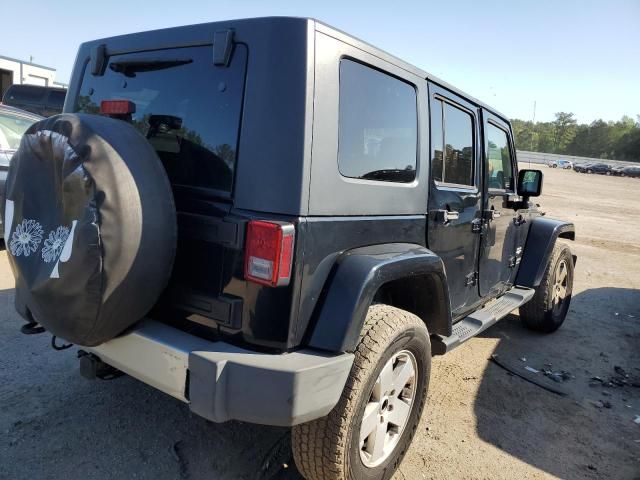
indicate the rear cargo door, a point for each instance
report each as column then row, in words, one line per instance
column 189, row 109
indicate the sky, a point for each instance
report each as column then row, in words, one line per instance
column 564, row 55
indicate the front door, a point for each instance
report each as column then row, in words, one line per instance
column 498, row 256
column 455, row 193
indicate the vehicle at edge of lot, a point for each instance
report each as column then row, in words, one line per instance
column 564, row 164
column 631, row 171
column 253, row 283
column 13, row 123
column 45, row 101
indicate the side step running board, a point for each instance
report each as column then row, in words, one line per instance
column 482, row 319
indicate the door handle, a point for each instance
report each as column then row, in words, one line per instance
column 445, row 216
column 492, row 214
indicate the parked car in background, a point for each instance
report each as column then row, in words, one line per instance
column 13, row 123
column 617, row 170
column 45, row 101
column 601, row 168
column 632, row 171
column 564, row 164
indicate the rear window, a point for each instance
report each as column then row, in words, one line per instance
column 24, row 93
column 378, row 125
column 56, row 98
column 188, row 108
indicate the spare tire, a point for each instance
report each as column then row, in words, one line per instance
column 90, row 226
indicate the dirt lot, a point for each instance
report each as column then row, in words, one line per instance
column 480, row 422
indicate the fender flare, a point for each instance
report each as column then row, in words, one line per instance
column 357, row 277
column 542, row 237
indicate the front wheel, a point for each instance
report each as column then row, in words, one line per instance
column 368, row 432
column 548, row 308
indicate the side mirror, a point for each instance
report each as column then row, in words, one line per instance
column 529, row 183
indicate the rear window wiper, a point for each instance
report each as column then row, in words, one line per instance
column 129, row 67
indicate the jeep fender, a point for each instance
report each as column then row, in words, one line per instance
column 357, row 277
column 537, row 250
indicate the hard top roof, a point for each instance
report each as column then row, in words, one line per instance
column 320, row 27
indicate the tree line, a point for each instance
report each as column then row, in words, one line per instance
column 607, row 140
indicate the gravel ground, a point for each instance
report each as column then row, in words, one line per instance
column 480, row 421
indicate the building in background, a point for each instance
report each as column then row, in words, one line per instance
column 14, row 71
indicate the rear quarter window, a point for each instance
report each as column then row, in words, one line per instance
column 378, row 125
column 187, row 108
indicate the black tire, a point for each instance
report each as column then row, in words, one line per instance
column 103, row 226
column 329, row 448
column 541, row 313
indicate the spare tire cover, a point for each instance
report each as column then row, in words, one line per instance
column 90, row 226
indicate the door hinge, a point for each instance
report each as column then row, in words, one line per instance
column 512, row 262
column 476, row 225
column 471, row 279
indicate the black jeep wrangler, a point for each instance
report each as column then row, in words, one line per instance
column 275, row 222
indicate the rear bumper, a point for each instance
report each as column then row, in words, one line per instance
column 222, row 382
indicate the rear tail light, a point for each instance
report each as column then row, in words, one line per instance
column 117, row 107
column 269, row 252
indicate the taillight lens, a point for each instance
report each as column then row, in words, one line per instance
column 269, row 252
column 117, row 107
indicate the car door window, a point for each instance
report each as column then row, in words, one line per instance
column 500, row 168
column 452, row 145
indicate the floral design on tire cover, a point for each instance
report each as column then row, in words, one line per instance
column 26, row 238
column 54, row 243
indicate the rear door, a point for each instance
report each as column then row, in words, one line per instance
column 455, row 193
column 498, row 255
column 189, row 109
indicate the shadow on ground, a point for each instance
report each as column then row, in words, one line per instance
column 546, row 430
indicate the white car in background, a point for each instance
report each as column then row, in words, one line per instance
column 13, row 123
column 564, row 164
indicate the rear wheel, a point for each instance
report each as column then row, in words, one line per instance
column 548, row 308
column 368, row 432
column 589, row 171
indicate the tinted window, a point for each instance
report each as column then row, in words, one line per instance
column 377, row 126
column 458, row 146
column 188, row 108
column 23, row 93
column 500, row 171
column 56, row 98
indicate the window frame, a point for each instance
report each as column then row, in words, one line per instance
column 447, row 186
column 485, row 169
column 416, row 164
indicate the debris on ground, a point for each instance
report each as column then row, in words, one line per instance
column 523, row 359
column 531, row 369
column 561, row 376
column 637, row 420
column 621, row 379
column 527, row 376
column 597, row 403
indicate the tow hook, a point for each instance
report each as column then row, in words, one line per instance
column 91, row 367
